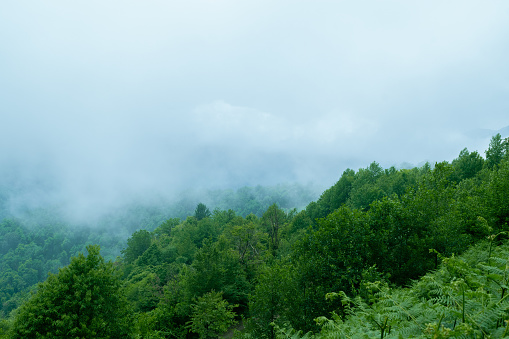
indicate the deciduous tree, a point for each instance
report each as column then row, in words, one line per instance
column 138, row 243
column 84, row 300
column 495, row 151
column 212, row 315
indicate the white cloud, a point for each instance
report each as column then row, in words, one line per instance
column 221, row 123
column 130, row 96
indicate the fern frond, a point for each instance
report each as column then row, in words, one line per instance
column 283, row 333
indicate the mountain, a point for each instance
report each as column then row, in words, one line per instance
column 481, row 133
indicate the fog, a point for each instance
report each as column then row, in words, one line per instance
column 107, row 102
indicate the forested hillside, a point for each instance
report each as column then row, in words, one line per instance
column 356, row 263
column 35, row 241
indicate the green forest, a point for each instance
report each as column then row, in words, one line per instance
column 383, row 253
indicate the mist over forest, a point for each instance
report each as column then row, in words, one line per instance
column 291, row 167
column 107, row 103
column 91, row 196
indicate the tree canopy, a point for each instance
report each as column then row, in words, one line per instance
column 344, row 259
column 83, row 300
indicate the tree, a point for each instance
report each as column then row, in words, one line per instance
column 216, row 266
column 366, row 187
column 201, row 212
column 495, row 151
column 84, row 300
column 137, row 244
column 246, row 240
column 505, row 145
column 498, row 196
column 435, row 220
column 333, row 197
column 467, row 165
column 275, row 300
column 223, row 217
column 390, row 242
column 212, row 315
column 330, row 259
column 167, row 226
column 273, row 220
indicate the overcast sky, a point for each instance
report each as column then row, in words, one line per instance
column 111, row 98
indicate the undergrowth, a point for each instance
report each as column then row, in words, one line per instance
column 467, row 297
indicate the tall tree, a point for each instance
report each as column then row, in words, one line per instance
column 273, row 220
column 216, row 267
column 366, row 187
column 467, row 165
column 330, row 259
column 138, row 243
column 498, row 196
column 201, row 212
column 333, row 197
column 84, row 300
column 495, row 151
column 212, row 315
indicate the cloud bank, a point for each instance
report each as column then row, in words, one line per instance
column 100, row 101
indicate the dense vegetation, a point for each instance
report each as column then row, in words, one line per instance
column 355, row 263
column 38, row 241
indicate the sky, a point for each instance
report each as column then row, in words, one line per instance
column 102, row 100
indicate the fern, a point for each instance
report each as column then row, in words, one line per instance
column 283, row 333
column 464, row 298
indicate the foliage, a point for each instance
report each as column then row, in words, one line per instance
column 273, row 221
column 84, row 300
column 212, row 315
column 467, row 165
column 28, row 253
column 166, row 227
column 53, row 242
column 496, row 151
column 201, row 212
column 217, row 267
column 359, row 189
column 498, row 196
column 465, row 298
column 329, row 259
column 137, row 244
column 273, row 300
column 342, row 260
